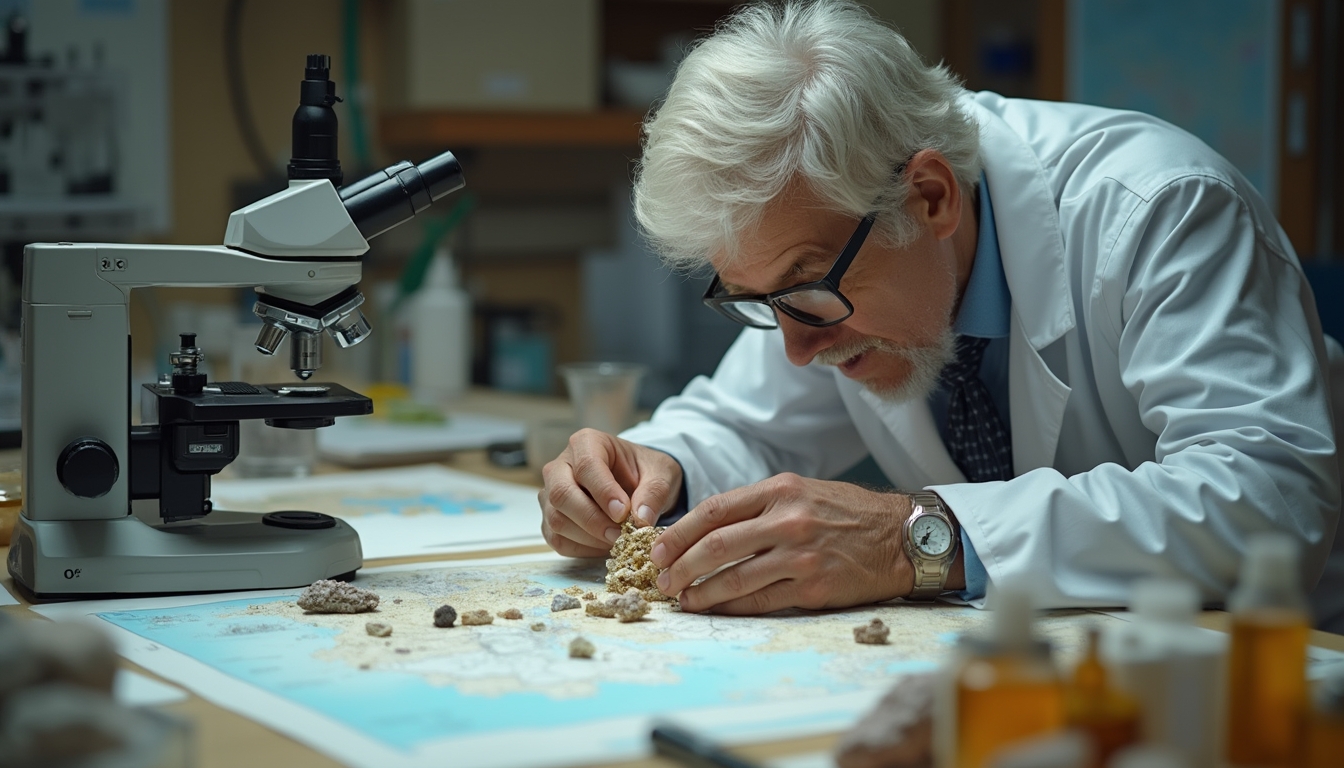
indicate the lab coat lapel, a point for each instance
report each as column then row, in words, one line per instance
column 1034, row 265
column 912, row 425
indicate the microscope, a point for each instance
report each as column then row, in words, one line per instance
column 84, row 462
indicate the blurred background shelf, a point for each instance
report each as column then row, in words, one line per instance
column 613, row 127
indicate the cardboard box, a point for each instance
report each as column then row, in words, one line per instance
column 521, row 55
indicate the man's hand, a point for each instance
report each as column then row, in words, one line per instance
column 595, row 484
column 802, row 543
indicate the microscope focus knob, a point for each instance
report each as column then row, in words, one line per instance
column 88, row 467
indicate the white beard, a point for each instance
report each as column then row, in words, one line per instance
column 925, row 364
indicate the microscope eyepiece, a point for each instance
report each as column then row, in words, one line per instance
column 313, row 137
column 397, row 193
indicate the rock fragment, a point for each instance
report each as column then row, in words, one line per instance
column 581, row 648
column 897, row 733
column 872, row 633
column 510, row 613
column 533, row 592
column 444, row 616
column 589, row 596
column 575, row 590
column 630, row 607
column 538, row 626
column 629, row 566
column 602, row 610
column 328, row 596
column 477, row 617
column 378, row 629
column 564, row 602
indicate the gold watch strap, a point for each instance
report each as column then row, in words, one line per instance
column 930, row 575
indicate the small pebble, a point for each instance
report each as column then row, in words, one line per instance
column 872, row 633
column 533, row 592
column 378, row 629
column 630, row 606
column 403, row 650
column 511, row 613
column 575, row 590
column 581, row 648
column 364, row 666
column 444, row 616
column 538, row 626
column 477, row 617
column 589, row 596
column 397, row 601
column 564, row 603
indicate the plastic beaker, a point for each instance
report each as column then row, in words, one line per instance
column 603, row 394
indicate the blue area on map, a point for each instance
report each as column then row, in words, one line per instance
column 448, row 505
column 402, row 710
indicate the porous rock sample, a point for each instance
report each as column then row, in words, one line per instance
column 481, row 616
column 872, row 633
column 378, row 629
column 328, row 596
column 563, row 602
column 628, row 607
column 581, row 648
column 510, row 613
column 897, row 732
column 629, row 566
column 444, row 616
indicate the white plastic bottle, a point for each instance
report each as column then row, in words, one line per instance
column 440, row 320
column 1173, row 668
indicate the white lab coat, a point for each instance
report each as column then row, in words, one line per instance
column 1167, row 373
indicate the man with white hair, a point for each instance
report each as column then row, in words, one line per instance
column 1075, row 338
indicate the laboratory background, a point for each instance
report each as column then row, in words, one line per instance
column 491, row 311
column 149, row 121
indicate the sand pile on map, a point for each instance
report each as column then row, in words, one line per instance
column 477, row 618
column 628, row 607
column 629, row 566
column 327, row 596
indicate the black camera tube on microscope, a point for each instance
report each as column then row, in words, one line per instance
column 382, row 200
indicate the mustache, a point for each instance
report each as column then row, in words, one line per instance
column 839, row 353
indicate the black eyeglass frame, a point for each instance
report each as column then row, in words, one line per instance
column 830, row 283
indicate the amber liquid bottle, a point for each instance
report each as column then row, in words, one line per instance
column 1006, row 688
column 1107, row 716
column 1266, row 673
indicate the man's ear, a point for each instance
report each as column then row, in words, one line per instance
column 936, row 202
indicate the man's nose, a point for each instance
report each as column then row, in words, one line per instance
column 802, row 342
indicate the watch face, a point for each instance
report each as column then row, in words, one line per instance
column 931, row 535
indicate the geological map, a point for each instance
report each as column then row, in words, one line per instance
column 508, row 692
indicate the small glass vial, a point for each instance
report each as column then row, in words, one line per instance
column 1267, row 683
column 1107, row 716
column 1006, row 688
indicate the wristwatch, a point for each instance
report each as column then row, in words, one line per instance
column 931, row 542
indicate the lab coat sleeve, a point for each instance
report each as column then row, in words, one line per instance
column 758, row 416
column 1206, row 316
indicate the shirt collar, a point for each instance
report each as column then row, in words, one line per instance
column 986, row 305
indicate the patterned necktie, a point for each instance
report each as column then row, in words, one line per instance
column 977, row 439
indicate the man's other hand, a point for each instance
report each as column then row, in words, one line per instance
column 595, row 484
column 787, row 542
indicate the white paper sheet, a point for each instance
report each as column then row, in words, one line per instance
column 366, row 441
column 5, row 597
column 403, row 512
column 136, row 690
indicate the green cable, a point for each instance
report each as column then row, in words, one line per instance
column 435, row 231
column 353, row 99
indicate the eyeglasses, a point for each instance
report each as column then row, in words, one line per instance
column 818, row 303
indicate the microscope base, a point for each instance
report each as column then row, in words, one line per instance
column 225, row 552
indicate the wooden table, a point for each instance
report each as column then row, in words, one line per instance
column 226, row 740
